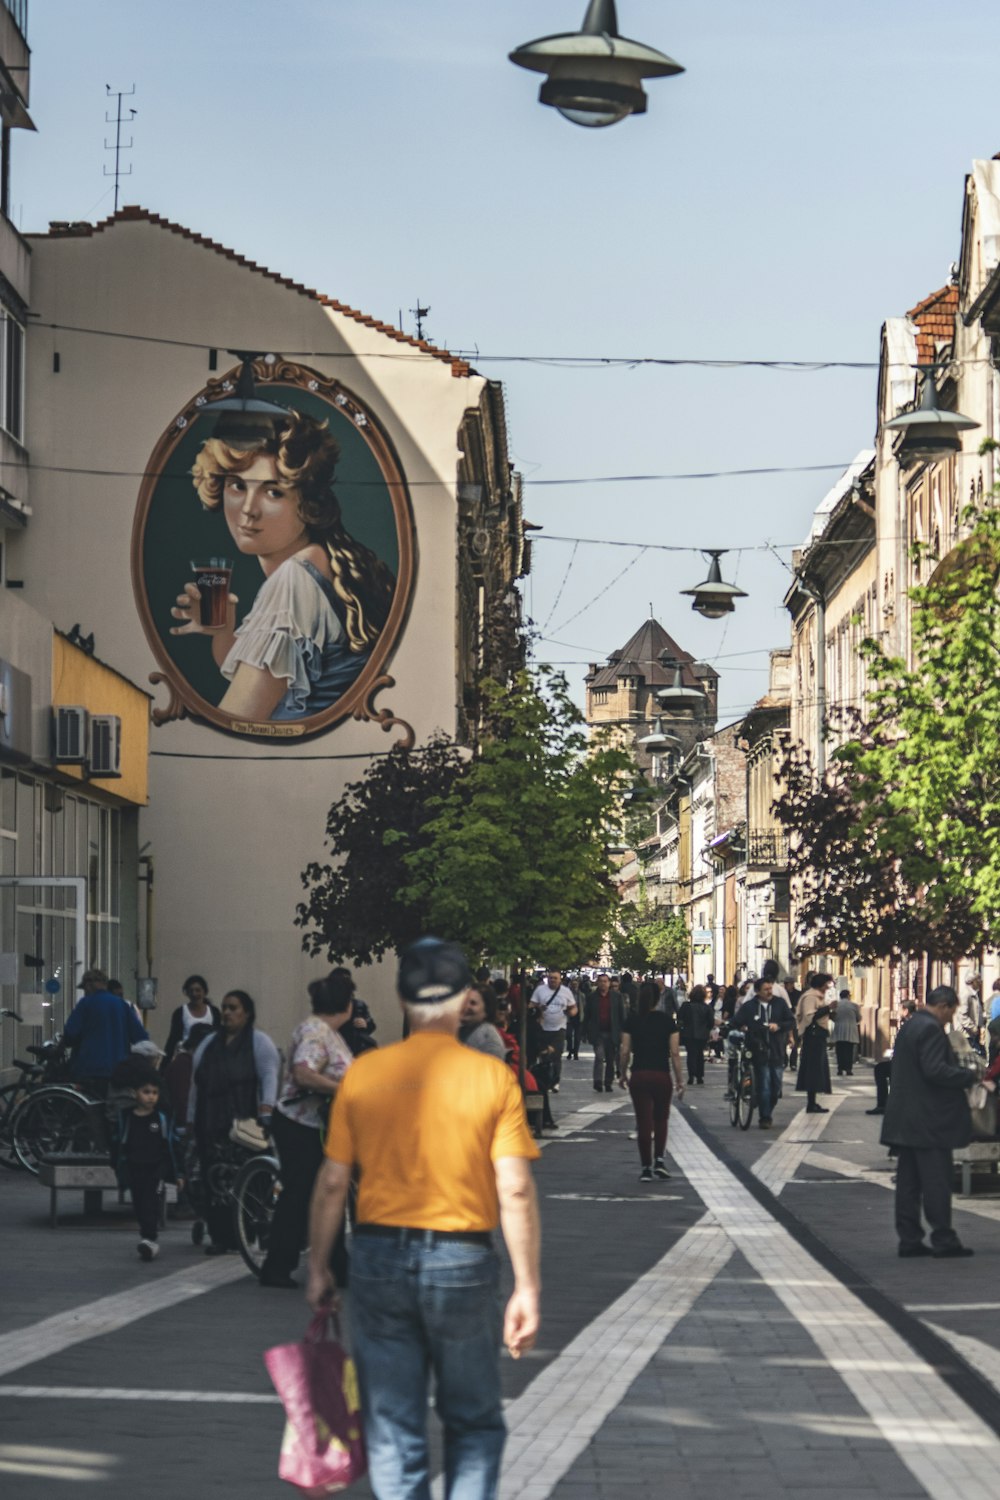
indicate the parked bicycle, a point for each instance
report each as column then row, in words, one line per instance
column 42, row 1115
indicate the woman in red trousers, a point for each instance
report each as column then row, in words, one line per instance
column 650, row 1039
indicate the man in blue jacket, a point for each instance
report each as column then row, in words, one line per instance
column 101, row 1030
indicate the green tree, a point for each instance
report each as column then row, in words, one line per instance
column 648, row 936
column 356, row 908
column 897, row 849
column 513, row 861
column 927, row 774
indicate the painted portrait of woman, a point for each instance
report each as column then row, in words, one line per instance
column 325, row 597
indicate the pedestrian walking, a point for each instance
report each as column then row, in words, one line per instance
column 439, row 1135
column 101, row 1029
column 553, row 1002
column 234, row 1077
column 767, row 1021
column 696, row 1018
column 970, row 1011
column 812, row 1020
column 926, row 1117
column 318, row 1058
column 574, row 1020
column 604, row 1021
column 479, row 1022
column 846, row 1034
column 146, row 1160
column 197, row 1010
column 651, row 1040
column 883, row 1069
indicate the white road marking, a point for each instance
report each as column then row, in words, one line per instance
column 611, row 1198
column 780, row 1162
column 552, row 1422
column 981, row 1356
column 26, row 1346
column 943, row 1443
column 952, row 1307
column 126, row 1393
column 857, row 1173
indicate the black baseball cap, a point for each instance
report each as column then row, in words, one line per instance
column 431, row 971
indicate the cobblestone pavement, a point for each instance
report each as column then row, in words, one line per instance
column 745, row 1326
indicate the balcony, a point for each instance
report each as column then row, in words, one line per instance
column 767, row 849
column 19, row 14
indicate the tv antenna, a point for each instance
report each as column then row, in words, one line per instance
column 420, row 313
column 118, row 145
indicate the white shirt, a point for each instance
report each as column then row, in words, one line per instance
column 554, row 1005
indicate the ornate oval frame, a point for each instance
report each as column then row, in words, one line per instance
column 357, row 701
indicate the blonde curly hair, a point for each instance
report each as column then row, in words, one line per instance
column 305, row 459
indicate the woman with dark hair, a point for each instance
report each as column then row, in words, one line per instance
column 234, row 1077
column 318, row 1058
column 812, row 1021
column 325, row 598
column 197, row 1010
column 479, row 1022
column 652, row 1041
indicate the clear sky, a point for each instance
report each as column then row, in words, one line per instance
column 801, row 182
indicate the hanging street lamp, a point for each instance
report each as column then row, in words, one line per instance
column 713, row 598
column 929, row 431
column 594, row 74
column 678, row 698
column 657, row 740
column 243, row 420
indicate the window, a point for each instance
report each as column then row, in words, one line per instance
column 11, row 374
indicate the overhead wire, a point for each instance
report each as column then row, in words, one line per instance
column 564, row 361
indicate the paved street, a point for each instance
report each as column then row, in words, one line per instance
column 744, row 1327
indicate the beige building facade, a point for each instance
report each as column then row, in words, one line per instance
column 238, row 800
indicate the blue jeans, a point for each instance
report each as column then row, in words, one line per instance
column 418, row 1307
column 769, row 1086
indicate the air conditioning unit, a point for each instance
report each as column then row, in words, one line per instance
column 105, row 745
column 71, row 727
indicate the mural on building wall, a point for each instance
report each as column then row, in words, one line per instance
column 273, row 570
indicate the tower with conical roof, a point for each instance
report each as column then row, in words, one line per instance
column 625, row 693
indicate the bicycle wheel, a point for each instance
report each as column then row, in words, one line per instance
column 734, row 1098
column 746, row 1098
column 10, row 1097
column 255, row 1197
column 51, row 1121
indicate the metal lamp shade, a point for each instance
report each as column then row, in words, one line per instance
column 658, row 740
column 929, row 431
column 594, row 75
column 714, row 598
column 242, row 419
column 678, row 698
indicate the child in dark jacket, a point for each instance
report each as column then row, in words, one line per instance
column 146, row 1160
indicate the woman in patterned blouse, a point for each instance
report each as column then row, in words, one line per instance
column 318, row 1058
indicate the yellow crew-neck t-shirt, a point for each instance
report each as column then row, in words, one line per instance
column 425, row 1120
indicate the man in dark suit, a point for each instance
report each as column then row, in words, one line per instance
column 926, row 1117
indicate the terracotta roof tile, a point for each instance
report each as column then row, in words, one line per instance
column 132, row 213
column 935, row 321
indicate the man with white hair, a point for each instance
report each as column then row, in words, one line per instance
column 441, row 1140
column 969, row 1017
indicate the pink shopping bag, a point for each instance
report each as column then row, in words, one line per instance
column 323, row 1449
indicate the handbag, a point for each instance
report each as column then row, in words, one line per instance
column 322, row 1451
column 983, row 1109
column 250, row 1135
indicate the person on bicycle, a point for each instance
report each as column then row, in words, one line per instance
column 766, row 1019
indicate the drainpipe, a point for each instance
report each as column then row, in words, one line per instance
column 815, row 594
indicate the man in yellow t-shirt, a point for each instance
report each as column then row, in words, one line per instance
column 440, row 1140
